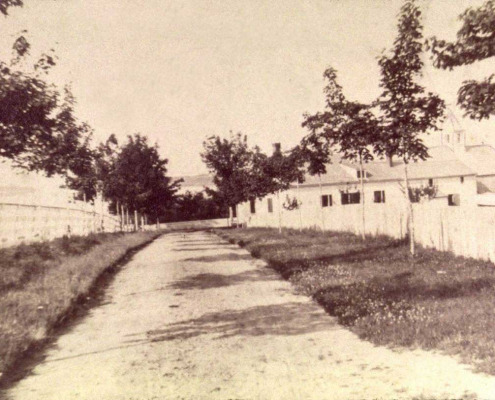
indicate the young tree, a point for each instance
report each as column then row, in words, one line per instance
column 475, row 42
column 408, row 111
column 278, row 172
column 349, row 127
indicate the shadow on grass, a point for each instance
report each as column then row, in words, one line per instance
column 213, row 281
column 286, row 319
column 287, row 267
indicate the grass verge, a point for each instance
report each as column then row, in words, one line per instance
column 41, row 283
column 433, row 301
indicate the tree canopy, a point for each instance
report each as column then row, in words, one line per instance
column 137, row 178
column 408, row 110
column 475, row 42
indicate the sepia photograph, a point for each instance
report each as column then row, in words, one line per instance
column 247, row 200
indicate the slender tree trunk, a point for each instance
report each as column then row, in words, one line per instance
column 361, row 181
column 321, row 205
column 410, row 211
column 299, row 209
column 279, row 213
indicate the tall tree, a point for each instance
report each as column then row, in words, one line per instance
column 475, row 42
column 235, row 166
column 138, row 179
column 408, row 111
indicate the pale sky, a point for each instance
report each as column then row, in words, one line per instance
column 181, row 70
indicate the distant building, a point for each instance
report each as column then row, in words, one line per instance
column 196, row 183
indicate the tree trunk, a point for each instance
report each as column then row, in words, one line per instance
column 361, row 181
column 410, row 212
column 321, row 205
column 279, row 213
column 299, row 209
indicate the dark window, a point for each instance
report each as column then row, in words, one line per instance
column 365, row 174
column 270, row 205
column 252, row 205
column 234, row 212
column 462, row 179
column 326, row 200
column 430, row 182
column 379, row 196
column 351, row 198
column 454, row 200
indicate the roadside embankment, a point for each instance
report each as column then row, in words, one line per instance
column 432, row 301
column 41, row 285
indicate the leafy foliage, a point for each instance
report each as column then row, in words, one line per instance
column 5, row 4
column 135, row 176
column 236, row 167
column 475, row 42
column 196, row 206
column 407, row 109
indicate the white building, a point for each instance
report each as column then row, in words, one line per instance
column 333, row 200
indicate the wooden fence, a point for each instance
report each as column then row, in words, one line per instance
column 466, row 231
column 28, row 223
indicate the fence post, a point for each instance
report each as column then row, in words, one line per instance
column 136, row 222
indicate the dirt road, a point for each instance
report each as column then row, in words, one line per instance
column 193, row 317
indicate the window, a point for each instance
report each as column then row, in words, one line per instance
column 454, row 200
column 234, row 212
column 326, row 200
column 252, row 205
column 365, row 174
column 350, row 198
column 379, row 196
column 270, row 205
column 462, row 179
column 430, row 182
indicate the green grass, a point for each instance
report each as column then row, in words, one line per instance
column 433, row 301
column 41, row 283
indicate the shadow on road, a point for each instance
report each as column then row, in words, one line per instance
column 213, row 281
column 277, row 319
column 221, row 257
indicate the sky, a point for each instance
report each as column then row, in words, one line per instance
column 179, row 71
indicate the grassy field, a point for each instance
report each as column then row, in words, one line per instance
column 433, row 301
column 41, row 283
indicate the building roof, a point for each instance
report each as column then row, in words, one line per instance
column 441, row 164
column 481, row 158
column 195, row 183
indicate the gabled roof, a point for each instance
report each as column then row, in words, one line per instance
column 481, row 158
column 441, row 164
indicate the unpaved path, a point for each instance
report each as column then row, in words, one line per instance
column 192, row 317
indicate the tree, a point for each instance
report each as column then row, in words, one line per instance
column 137, row 178
column 475, row 42
column 408, row 111
column 278, row 172
column 347, row 126
column 235, row 166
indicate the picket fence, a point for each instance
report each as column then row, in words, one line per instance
column 466, row 231
column 28, row 223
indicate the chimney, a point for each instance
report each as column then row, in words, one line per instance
column 390, row 161
column 276, row 148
